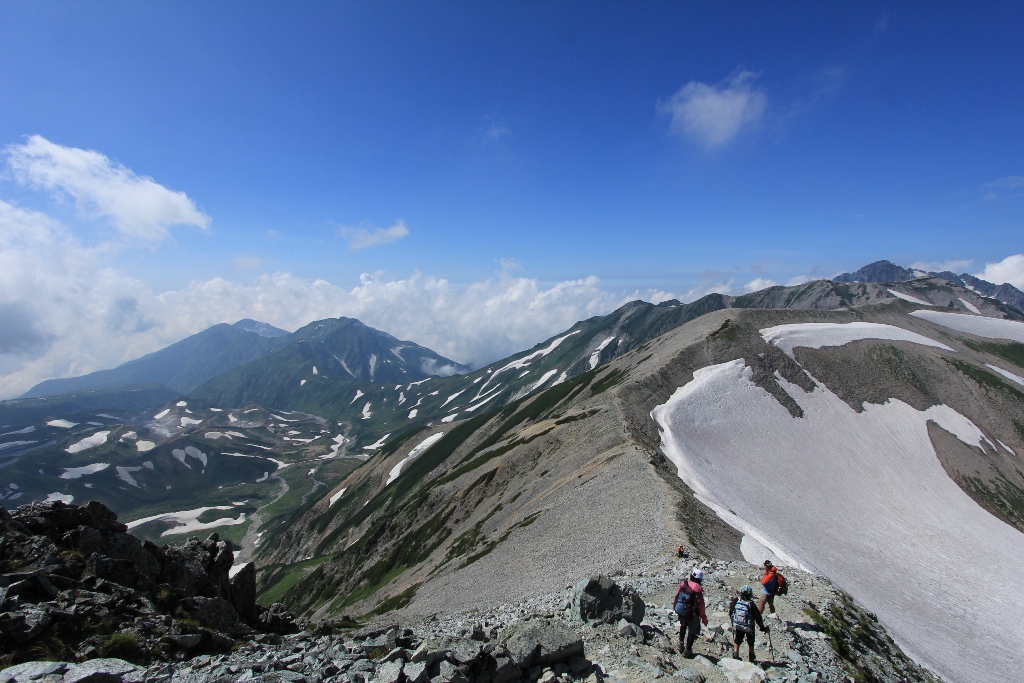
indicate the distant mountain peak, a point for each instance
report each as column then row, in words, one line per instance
column 879, row 271
column 262, row 329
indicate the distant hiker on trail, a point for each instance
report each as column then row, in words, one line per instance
column 681, row 552
column 689, row 605
column 744, row 616
column 772, row 583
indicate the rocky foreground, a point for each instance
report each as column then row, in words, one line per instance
column 84, row 602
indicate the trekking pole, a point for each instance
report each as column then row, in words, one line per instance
column 771, row 648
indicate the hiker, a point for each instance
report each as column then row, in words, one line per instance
column 689, row 605
column 744, row 616
column 772, row 584
column 681, row 552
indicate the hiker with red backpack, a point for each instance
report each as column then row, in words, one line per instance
column 745, row 616
column 772, row 583
column 689, row 605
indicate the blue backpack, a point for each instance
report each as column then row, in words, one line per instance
column 685, row 602
column 742, row 618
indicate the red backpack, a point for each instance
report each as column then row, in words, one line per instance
column 783, row 585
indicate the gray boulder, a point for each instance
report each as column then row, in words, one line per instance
column 215, row 613
column 415, row 672
column 389, row 672
column 601, row 598
column 541, row 642
column 32, row 671
column 100, row 671
column 243, row 592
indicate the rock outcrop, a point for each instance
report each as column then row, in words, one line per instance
column 75, row 585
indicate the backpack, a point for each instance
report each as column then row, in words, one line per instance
column 685, row 602
column 783, row 587
column 742, row 618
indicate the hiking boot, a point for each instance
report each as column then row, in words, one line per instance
column 751, row 657
column 688, row 652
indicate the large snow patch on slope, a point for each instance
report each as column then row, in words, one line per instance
column 991, row 328
column 817, row 335
column 863, row 499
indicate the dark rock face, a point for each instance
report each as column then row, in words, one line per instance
column 540, row 642
column 601, row 598
column 71, row 577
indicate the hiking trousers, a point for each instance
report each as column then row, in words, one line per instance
column 692, row 627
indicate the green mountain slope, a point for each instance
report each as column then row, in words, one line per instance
column 181, row 366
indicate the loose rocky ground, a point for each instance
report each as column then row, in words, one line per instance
column 598, row 630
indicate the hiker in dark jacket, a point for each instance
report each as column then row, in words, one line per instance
column 769, row 586
column 745, row 615
column 689, row 605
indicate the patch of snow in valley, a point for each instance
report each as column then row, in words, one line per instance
column 478, row 379
column 125, row 475
column 280, row 465
column 217, row 410
column 213, row 436
column 301, row 382
column 79, row 472
column 181, row 404
column 412, row 384
column 561, row 378
column 15, row 444
column 109, row 417
column 544, row 378
column 472, row 408
column 401, row 398
column 338, row 441
column 144, row 446
column 452, row 397
column 187, row 521
column 266, row 475
column 595, row 357
column 417, row 450
column 61, row 497
column 63, row 424
column 525, row 360
column 907, row 297
column 282, row 419
column 378, row 443
column 186, row 421
column 522, row 374
column 863, row 499
column 448, row 418
column 336, row 496
column 148, row 465
column 128, row 435
column 990, row 328
column 232, row 418
column 162, row 414
column 817, row 335
column 969, row 306
column 26, row 430
column 373, row 364
column 359, row 392
column 88, row 442
column 1009, row 450
column 366, row 414
column 314, row 370
column 1007, row 374
column 413, row 413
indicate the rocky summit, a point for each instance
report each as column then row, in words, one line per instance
column 76, row 586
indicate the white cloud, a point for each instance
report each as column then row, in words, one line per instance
column 75, row 314
column 247, row 262
column 758, row 284
column 1010, row 269
column 137, row 206
column 713, row 115
column 798, row 280
column 365, row 236
column 954, row 266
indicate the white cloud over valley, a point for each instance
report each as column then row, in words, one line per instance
column 366, row 236
column 1010, row 269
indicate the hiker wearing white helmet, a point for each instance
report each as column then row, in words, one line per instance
column 689, row 605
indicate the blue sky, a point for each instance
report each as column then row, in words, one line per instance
column 663, row 148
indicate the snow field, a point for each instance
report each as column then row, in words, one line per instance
column 26, row 430
column 79, row 472
column 817, row 335
column 366, row 414
column 449, row 418
column 969, row 306
column 863, row 499
column 359, row 392
column 524, row 361
column 595, row 357
column 336, row 496
column 378, row 443
column 144, row 446
column 1007, row 374
column 188, row 520
column 990, row 328
column 88, row 442
column 416, row 450
column 907, row 297
column 63, row 424
column 62, row 497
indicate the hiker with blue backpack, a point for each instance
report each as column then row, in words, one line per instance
column 689, row 605
column 745, row 615
column 772, row 583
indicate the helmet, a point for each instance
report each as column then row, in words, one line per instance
column 697, row 575
column 746, row 592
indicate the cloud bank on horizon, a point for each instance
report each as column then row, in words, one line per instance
column 69, row 309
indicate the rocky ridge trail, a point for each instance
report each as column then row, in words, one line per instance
column 598, row 630
column 75, row 585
